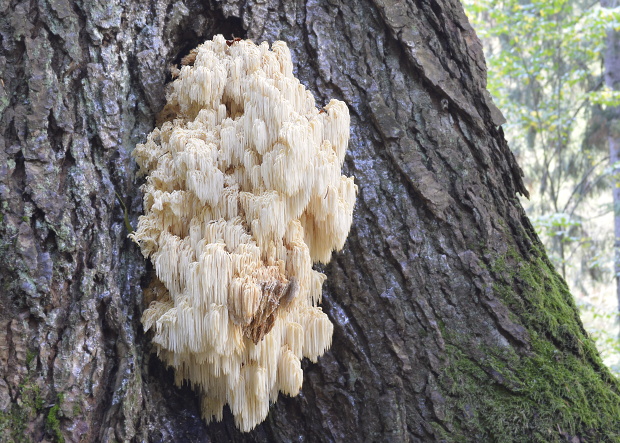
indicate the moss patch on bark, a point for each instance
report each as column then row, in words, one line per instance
column 557, row 390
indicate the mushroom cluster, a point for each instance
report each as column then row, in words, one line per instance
column 244, row 193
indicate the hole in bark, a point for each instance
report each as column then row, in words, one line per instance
column 229, row 27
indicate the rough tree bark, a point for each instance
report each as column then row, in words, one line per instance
column 450, row 323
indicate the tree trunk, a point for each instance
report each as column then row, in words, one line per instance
column 450, row 322
column 612, row 80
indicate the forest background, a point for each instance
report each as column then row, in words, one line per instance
column 553, row 72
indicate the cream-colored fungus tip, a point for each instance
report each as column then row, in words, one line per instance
column 244, row 193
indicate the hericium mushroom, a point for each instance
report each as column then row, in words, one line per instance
column 243, row 194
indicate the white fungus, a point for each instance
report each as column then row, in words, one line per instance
column 244, row 193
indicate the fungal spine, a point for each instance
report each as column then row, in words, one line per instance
column 243, row 194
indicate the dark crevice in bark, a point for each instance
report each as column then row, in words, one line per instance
column 109, row 336
column 229, row 27
column 19, row 173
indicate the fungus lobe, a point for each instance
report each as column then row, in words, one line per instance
column 243, row 194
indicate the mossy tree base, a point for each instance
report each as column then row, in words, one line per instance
column 554, row 389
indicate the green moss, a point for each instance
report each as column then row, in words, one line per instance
column 14, row 421
column 30, row 356
column 556, row 390
column 544, row 397
column 545, row 306
column 53, row 421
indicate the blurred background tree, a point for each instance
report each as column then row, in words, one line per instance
column 554, row 71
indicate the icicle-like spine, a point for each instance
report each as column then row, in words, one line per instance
column 244, row 192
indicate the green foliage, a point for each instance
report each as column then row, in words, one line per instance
column 600, row 322
column 545, row 73
column 605, row 97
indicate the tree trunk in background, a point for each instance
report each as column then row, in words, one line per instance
column 612, row 80
column 450, row 323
